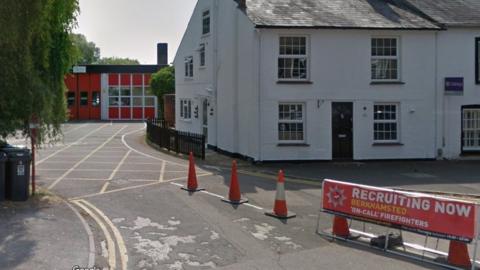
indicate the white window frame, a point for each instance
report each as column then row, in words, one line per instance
column 185, row 109
column 289, row 121
column 292, row 56
column 189, row 67
column 471, row 129
column 202, row 50
column 204, row 17
column 380, row 121
column 397, row 57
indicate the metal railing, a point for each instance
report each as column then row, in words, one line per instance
column 161, row 133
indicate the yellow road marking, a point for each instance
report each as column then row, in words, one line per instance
column 119, row 165
column 162, row 172
column 110, row 244
column 134, row 187
column 85, row 158
column 118, row 236
column 70, row 145
column 287, row 179
column 104, row 188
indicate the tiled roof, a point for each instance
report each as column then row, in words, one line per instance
column 451, row 12
column 372, row 14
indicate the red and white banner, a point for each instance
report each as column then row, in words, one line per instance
column 422, row 213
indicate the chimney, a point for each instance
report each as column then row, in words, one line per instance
column 162, row 54
column 242, row 4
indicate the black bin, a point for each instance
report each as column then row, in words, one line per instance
column 17, row 173
column 3, row 160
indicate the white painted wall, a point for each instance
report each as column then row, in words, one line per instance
column 340, row 71
column 456, row 58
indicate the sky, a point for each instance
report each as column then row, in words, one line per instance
column 132, row 28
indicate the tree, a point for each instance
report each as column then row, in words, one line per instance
column 162, row 83
column 88, row 52
column 36, row 51
column 117, row 61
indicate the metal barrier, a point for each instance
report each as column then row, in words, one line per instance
column 161, row 134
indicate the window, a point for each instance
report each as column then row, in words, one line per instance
column 293, row 59
column 477, row 60
column 291, row 122
column 206, row 22
column 83, row 98
column 189, row 67
column 471, row 129
column 202, row 55
column 185, row 109
column 96, row 99
column 71, row 99
column 385, row 60
column 385, row 119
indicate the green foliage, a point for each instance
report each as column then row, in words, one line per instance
column 88, row 52
column 36, row 52
column 162, row 83
column 117, row 61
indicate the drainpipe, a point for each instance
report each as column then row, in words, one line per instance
column 215, row 68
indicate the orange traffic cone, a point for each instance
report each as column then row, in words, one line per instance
column 192, row 185
column 340, row 227
column 280, row 209
column 458, row 255
column 234, row 196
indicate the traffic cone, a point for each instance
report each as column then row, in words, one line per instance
column 234, row 196
column 340, row 227
column 192, row 185
column 280, row 209
column 458, row 255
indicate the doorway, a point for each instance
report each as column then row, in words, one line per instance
column 342, row 130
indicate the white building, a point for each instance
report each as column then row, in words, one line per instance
column 323, row 80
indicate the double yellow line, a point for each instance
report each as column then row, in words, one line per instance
column 106, row 226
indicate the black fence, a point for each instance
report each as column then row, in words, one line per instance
column 160, row 133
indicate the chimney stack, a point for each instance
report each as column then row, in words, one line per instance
column 242, row 4
column 162, row 54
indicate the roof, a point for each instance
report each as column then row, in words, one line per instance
column 352, row 14
column 451, row 12
column 122, row 68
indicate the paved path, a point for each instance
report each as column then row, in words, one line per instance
column 139, row 218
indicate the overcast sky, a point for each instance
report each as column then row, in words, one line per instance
column 132, row 28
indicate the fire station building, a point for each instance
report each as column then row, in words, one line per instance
column 113, row 92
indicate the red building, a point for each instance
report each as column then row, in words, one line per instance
column 113, row 92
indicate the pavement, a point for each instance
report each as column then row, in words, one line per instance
column 114, row 202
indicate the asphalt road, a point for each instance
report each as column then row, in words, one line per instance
column 138, row 217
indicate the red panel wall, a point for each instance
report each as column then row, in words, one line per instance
column 137, row 79
column 137, row 113
column 149, row 113
column 113, row 113
column 125, row 79
column 95, row 82
column 125, row 113
column 113, row 79
column 147, row 79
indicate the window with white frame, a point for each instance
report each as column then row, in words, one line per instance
column 477, row 59
column 206, row 22
column 386, row 122
column 293, row 58
column 471, row 129
column 385, row 59
column 189, row 67
column 291, row 120
column 185, row 109
column 201, row 51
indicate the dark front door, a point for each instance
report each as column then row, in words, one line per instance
column 342, row 130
